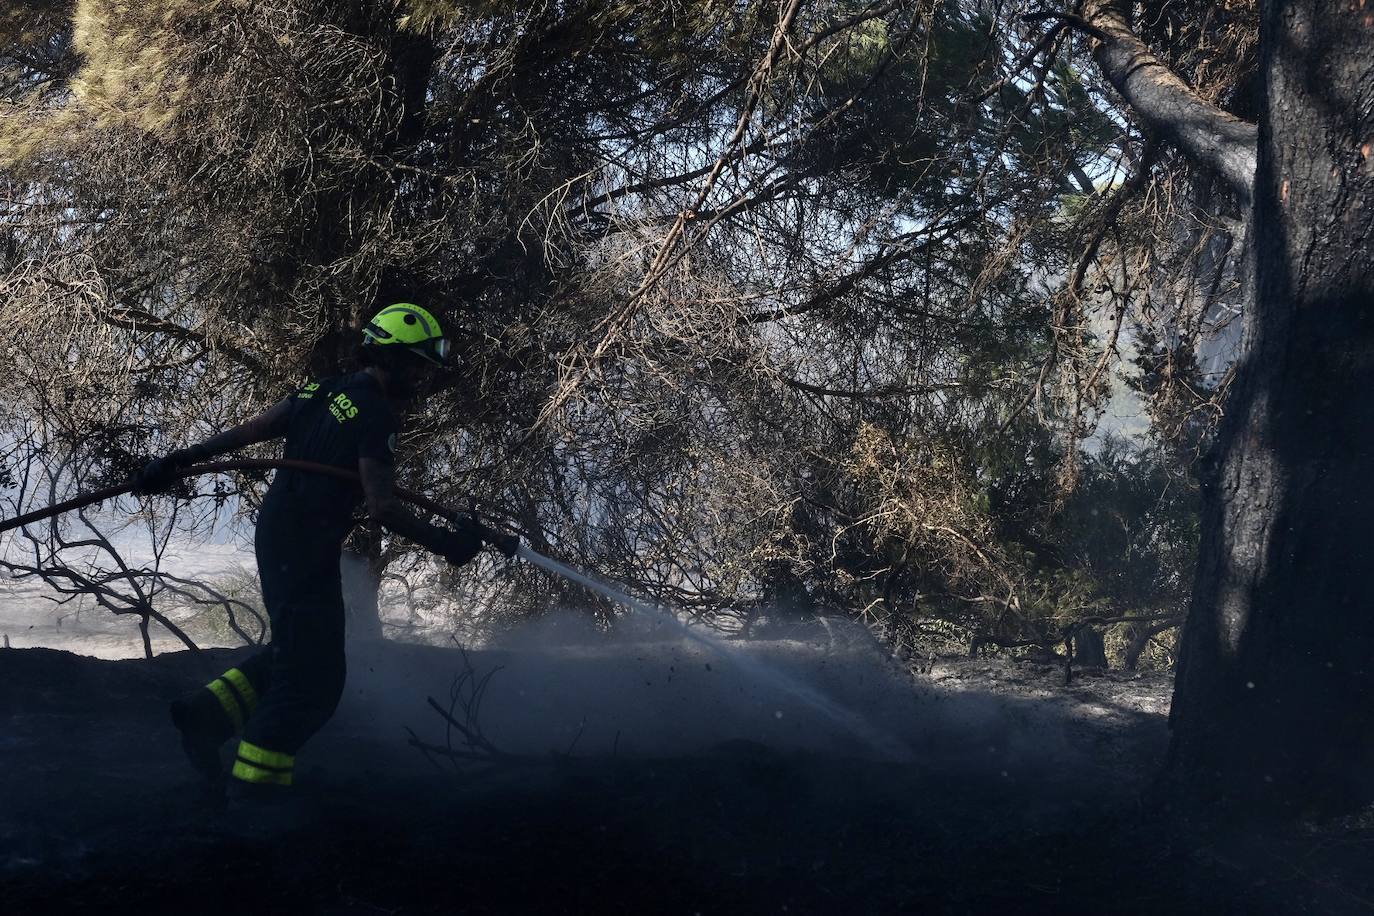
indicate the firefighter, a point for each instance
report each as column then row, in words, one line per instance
column 282, row 695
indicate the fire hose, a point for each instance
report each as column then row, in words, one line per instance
column 512, row 546
column 487, row 534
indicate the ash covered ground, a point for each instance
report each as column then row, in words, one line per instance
column 646, row 775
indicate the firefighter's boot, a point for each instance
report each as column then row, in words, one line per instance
column 200, row 742
column 259, row 799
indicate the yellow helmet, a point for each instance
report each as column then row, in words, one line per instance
column 408, row 326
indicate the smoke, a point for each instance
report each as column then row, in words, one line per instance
column 647, row 692
column 360, row 596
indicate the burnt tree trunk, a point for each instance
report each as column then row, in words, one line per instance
column 362, row 601
column 1141, row 634
column 1089, row 648
column 1273, row 701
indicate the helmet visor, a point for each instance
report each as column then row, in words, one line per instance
column 435, row 350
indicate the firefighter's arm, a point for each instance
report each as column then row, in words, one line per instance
column 159, row 474
column 458, row 545
column 270, row 424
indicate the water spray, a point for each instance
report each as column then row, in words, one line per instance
column 844, row 718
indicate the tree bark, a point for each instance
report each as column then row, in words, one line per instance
column 1274, row 701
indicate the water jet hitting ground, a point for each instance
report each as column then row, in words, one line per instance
column 884, row 744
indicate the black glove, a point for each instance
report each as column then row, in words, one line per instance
column 159, row 475
column 508, row 544
column 460, row 543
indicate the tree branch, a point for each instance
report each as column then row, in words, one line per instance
column 1211, row 137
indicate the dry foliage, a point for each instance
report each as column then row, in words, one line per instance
column 774, row 305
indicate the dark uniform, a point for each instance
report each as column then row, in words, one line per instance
column 285, row 693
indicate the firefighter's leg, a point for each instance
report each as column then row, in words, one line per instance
column 210, row 715
column 306, row 682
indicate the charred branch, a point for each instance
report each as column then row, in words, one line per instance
column 1208, row 135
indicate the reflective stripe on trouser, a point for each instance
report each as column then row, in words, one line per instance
column 236, row 696
column 259, row 765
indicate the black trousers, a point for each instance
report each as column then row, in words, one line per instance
column 282, row 695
